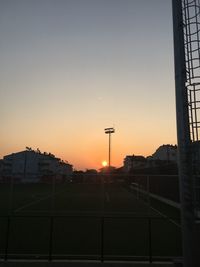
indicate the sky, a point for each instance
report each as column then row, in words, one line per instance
column 70, row 68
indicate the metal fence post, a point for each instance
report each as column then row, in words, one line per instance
column 53, row 194
column 7, row 239
column 148, row 192
column 51, row 238
column 102, row 239
column 11, row 194
column 150, row 240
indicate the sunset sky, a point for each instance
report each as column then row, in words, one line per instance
column 70, row 68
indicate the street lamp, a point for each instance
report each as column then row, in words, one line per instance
column 109, row 131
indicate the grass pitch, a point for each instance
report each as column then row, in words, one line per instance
column 85, row 220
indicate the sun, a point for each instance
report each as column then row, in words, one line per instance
column 104, row 163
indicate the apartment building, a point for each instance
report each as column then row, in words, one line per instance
column 34, row 166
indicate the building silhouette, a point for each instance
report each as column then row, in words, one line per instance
column 165, row 152
column 34, row 166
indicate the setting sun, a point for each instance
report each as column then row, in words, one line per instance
column 104, row 163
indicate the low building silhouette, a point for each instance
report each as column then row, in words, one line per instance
column 34, row 166
column 162, row 161
column 1, row 169
column 165, row 152
column 134, row 162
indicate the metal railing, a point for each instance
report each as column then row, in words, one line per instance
column 40, row 222
column 103, row 252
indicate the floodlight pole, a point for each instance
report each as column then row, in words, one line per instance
column 190, row 257
column 109, row 131
column 109, row 149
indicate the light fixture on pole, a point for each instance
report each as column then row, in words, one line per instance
column 109, row 131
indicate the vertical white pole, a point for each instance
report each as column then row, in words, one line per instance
column 190, row 258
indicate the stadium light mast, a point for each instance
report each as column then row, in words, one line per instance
column 109, row 131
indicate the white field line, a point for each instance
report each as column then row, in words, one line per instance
column 36, row 201
column 107, row 197
column 160, row 213
column 166, row 217
column 32, row 202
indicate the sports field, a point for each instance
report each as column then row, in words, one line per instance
column 82, row 220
